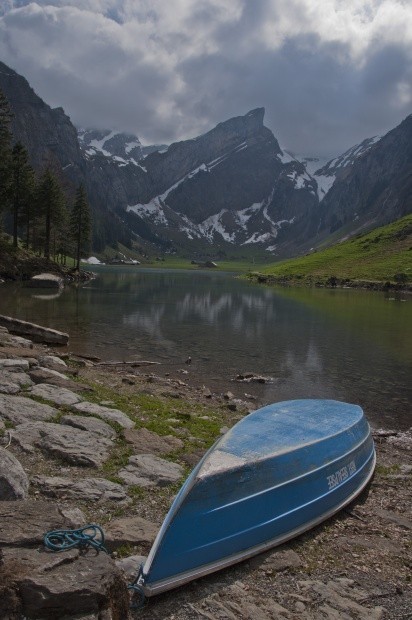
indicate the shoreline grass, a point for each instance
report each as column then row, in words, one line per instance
column 383, row 255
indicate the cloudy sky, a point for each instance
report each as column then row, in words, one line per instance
column 328, row 72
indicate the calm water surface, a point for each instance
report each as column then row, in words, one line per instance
column 348, row 345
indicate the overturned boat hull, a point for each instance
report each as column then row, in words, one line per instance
column 277, row 473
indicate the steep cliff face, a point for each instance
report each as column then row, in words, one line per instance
column 47, row 133
column 51, row 140
column 376, row 188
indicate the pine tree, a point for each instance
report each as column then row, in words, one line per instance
column 22, row 190
column 51, row 205
column 5, row 151
column 80, row 224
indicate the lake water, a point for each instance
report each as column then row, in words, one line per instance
column 313, row 343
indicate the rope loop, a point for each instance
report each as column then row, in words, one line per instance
column 88, row 536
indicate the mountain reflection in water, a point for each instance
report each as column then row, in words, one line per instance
column 348, row 345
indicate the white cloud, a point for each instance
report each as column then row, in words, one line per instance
column 169, row 69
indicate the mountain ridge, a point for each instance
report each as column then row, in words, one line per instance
column 232, row 187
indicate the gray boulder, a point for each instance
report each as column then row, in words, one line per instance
column 14, row 483
column 93, row 425
column 14, row 364
column 8, row 387
column 16, row 376
column 57, row 395
column 39, row 584
column 52, row 361
column 112, row 415
column 19, row 410
column 12, row 381
column 87, row 489
column 53, row 377
column 24, row 523
column 131, row 531
column 72, row 445
column 147, row 470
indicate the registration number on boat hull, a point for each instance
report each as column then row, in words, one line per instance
column 341, row 475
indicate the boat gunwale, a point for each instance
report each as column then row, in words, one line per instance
column 182, row 578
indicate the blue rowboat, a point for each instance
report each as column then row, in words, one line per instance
column 278, row 472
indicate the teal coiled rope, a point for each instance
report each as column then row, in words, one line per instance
column 88, row 536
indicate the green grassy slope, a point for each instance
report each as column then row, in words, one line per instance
column 383, row 255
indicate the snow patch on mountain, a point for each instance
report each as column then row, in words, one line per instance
column 219, row 160
column 244, row 215
column 213, row 224
column 324, row 172
column 285, row 157
column 120, row 148
column 152, row 210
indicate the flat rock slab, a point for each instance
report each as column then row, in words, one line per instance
column 7, row 387
column 130, row 531
column 87, row 489
column 147, row 442
column 72, row 445
column 12, row 381
column 19, row 410
column 55, row 394
column 14, row 483
column 16, row 376
column 40, row 584
column 33, row 331
column 52, row 361
column 112, row 415
column 53, row 377
column 46, row 373
column 24, row 523
column 14, row 364
column 7, row 340
column 147, row 470
column 86, row 423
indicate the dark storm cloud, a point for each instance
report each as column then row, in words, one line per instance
column 328, row 74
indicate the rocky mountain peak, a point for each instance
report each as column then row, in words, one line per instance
column 121, row 146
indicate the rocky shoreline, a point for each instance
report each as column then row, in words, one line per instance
column 83, row 442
